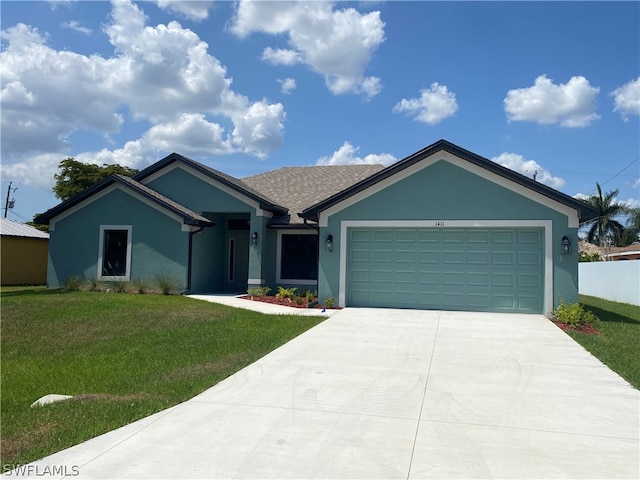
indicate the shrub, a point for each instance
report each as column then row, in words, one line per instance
column 94, row 285
column 310, row 295
column 119, row 287
column 166, row 284
column 253, row 292
column 286, row 292
column 258, row 291
column 299, row 300
column 329, row 302
column 141, row 286
column 573, row 315
column 72, row 284
column 589, row 257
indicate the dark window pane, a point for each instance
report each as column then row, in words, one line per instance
column 114, row 259
column 299, row 257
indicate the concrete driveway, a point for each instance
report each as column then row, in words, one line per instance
column 376, row 393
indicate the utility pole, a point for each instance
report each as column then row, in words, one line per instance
column 9, row 203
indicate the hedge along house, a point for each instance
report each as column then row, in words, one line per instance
column 441, row 229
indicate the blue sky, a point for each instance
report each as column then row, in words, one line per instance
column 245, row 87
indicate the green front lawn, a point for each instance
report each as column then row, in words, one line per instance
column 125, row 356
column 618, row 344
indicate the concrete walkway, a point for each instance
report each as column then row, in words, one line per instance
column 374, row 393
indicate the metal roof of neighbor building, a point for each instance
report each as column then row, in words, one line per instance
column 11, row 228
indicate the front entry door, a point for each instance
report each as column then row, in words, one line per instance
column 237, row 262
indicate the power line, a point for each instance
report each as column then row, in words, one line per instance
column 617, row 174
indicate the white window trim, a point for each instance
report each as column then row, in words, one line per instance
column 288, row 281
column 546, row 225
column 114, row 278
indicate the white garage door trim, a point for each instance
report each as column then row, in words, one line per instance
column 545, row 224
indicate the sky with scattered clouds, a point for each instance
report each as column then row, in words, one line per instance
column 548, row 89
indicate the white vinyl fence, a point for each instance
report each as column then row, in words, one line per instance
column 618, row 281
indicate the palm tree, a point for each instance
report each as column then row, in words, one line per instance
column 632, row 228
column 605, row 224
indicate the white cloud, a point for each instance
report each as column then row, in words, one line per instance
column 281, row 56
column 48, row 94
column 529, row 168
column 74, row 25
column 288, row 84
column 627, row 99
column 434, row 104
column 36, row 171
column 571, row 104
column 632, row 203
column 347, row 154
column 192, row 9
column 337, row 44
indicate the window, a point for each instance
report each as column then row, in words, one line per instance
column 115, row 252
column 298, row 258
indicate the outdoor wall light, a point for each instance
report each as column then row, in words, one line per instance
column 330, row 243
column 254, row 238
column 566, row 246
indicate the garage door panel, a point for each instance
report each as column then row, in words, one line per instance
column 503, row 280
column 528, row 258
column 405, row 256
column 428, row 256
column 478, row 258
column 445, row 268
column 502, row 258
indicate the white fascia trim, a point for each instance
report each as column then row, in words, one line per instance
column 127, row 275
column 256, row 281
column 571, row 213
column 279, row 257
column 547, row 225
column 211, row 181
column 108, row 190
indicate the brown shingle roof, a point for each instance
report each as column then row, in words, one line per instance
column 298, row 188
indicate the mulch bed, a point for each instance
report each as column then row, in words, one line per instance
column 287, row 302
column 584, row 328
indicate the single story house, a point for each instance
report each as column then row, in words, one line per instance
column 24, row 254
column 443, row 228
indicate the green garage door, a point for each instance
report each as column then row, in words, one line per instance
column 478, row 269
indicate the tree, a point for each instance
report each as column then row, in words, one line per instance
column 75, row 176
column 632, row 228
column 605, row 224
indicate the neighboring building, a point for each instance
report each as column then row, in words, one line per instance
column 23, row 254
column 441, row 229
column 631, row 252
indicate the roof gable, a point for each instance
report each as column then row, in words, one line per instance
column 153, row 171
column 189, row 217
column 464, row 159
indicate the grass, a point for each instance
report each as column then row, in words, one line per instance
column 618, row 344
column 125, row 356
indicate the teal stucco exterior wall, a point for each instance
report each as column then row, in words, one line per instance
column 445, row 192
column 159, row 245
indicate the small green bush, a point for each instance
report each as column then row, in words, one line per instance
column 289, row 293
column 94, row 285
column 310, row 295
column 329, row 302
column 574, row 315
column 166, row 284
column 299, row 300
column 258, row 291
column 141, row 286
column 72, row 284
column 119, row 287
column 589, row 257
